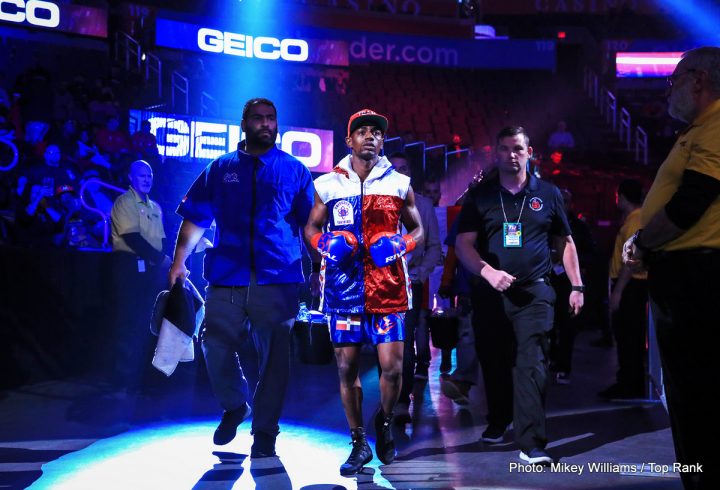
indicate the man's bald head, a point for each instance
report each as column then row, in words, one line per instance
column 141, row 177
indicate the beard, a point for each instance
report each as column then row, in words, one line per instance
column 260, row 139
column 681, row 105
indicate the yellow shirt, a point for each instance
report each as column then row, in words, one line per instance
column 698, row 149
column 628, row 228
column 132, row 214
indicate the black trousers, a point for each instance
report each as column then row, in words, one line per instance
column 685, row 301
column 629, row 325
column 135, row 290
column 412, row 322
column 266, row 313
column 565, row 326
column 514, row 342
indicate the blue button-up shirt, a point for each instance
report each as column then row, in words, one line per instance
column 260, row 205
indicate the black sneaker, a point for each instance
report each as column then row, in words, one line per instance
column 536, row 456
column 446, row 362
column 227, row 429
column 457, row 391
column 263, row 446
column 493, row 434
column 384, row 444
column 360, row 455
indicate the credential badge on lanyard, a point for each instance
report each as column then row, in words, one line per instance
column 512, row 231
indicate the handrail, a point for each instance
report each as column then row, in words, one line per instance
column 7, row 139
column 208, row 105
column 611, row 111
column 641, row 143
column 153, row 65
column 103, row 216
column 180, row 84
column 422, row 145
column 123, row 40
column 624, row 129
column 435, row 147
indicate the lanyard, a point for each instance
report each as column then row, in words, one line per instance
column 522, row 207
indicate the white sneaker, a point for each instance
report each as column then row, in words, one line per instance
column 536, row 456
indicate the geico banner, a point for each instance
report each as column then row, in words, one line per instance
column 193, row 139
column 245, row 45
column 60, row 16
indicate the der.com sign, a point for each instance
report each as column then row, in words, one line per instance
column 189, row 138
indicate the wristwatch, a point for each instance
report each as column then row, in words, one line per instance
column 579, row 289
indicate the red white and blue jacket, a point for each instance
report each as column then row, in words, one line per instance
column 367, row 208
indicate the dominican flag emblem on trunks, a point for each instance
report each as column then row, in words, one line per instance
column 348, row 323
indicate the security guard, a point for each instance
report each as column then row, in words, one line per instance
column 505, row 228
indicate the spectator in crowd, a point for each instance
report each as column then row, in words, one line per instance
column 421, row 263
column 111, row 140
column 139, row 267
column 561, row 138
column 144, row 143
column 431, row 190
column 679, row 242
column 628, row 301
column 566, row 326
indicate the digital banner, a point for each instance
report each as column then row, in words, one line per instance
column 338, row 47
column 64, row 17
column 639, row 65
column 250, row 45
column 194, row 139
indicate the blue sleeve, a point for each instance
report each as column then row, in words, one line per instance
column 196, row 206
column 305, row 198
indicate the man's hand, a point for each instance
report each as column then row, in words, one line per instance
column 632, row 256
column 576, row 301
column 500, row 280
column 177, row 271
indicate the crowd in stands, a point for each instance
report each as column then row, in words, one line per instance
column 66, row 133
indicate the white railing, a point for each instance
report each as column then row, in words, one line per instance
column 153, row 72
column 180, row 86
column 606, row 102
column 12, row 160
column 208, row 105
column 105, row 217
column 624, row 128
column 127, row 50
column 611, row 109
column 641, row 146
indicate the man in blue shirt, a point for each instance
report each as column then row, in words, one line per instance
column 260, row 198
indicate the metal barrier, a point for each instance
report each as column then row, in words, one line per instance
column 128, row 49
column 641, row 145
column 6, row 139
column 421, row 144
column 105, row 218
column 624, row 128
column 179, row 84
column 606, row 102
column 611, row 109
column 153, row 72
column 435, row 147
column 208, row 105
